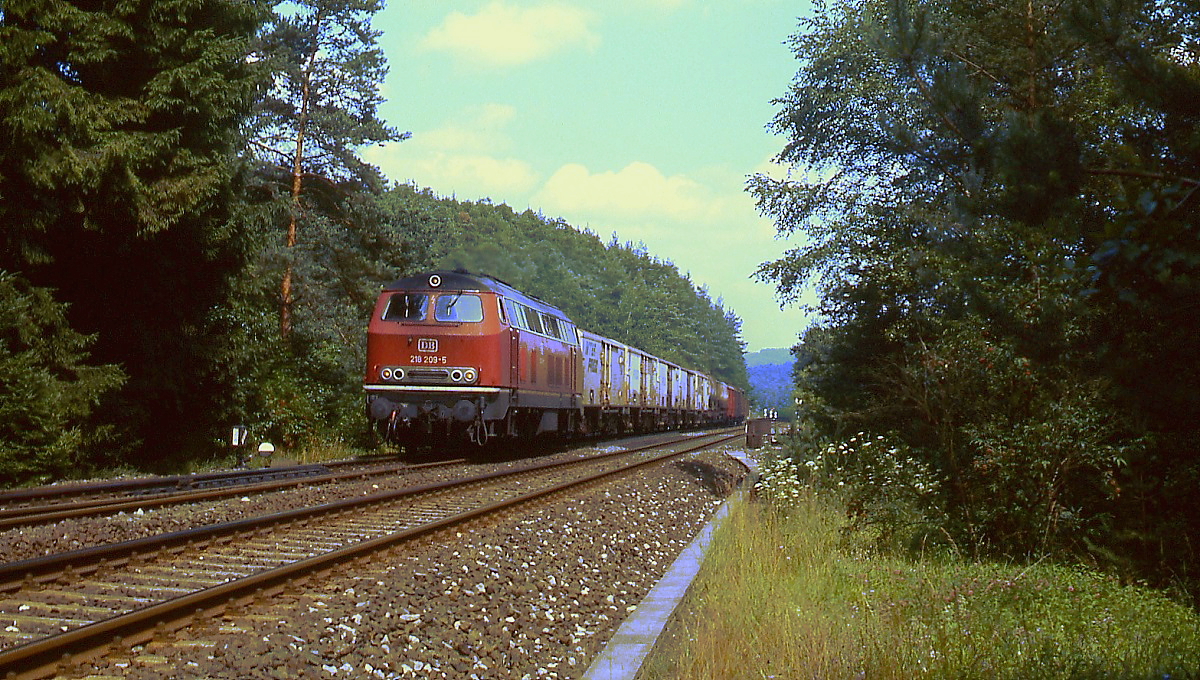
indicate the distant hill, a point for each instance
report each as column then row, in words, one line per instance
column 773, row 355
column 770, row 373
column 617, row 290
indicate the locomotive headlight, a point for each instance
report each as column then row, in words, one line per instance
column 469, row 375
column 456, row 375
column 397, row 374
column 386, row 374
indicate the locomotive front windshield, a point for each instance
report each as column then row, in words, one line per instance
column 458, row 307
column 447, row 307
column 407, row 307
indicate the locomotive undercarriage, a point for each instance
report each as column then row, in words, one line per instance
column 416, row 417
column 423, row 418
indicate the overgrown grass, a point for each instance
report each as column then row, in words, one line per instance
column 315, row 453
column 781, row 596
column 321, row 453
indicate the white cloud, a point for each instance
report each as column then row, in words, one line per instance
column 637, row 190
column 481, row 175
column 465, row 156
column 467, row 175
column 479, row 129
column 503, row 35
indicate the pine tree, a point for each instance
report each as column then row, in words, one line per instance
column 320, row 110
column 47, row 388
column 119, row 133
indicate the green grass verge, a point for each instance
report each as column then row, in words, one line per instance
column 780, row 597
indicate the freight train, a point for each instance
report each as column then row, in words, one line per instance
column 454, row 356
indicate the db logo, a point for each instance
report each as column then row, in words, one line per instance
column 426, row 345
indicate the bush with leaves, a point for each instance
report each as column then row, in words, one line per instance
column 1048, row 481
column 891, row 494
column 306, row 388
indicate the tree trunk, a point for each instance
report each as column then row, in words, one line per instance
column 285, row 289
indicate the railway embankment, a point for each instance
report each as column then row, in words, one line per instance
column 534, row 592
column 791, row 590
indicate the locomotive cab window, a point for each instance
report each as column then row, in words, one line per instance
column 550, row 324
column 458, row 307
column 569, row 332
column 406, row 307
column 533, row 321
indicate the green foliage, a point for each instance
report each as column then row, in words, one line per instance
column 48, row 390
column 891, row 493
column 120, row 121
column 306, row 388
column 116, row 118
column 1054, row 471
column 1002, row 228
column 322, row 102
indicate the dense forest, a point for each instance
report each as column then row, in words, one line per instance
column 1001, row 207
column 192, row 240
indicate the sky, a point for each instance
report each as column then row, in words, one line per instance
column 642, row 118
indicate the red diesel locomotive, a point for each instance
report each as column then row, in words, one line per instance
column 452, row 355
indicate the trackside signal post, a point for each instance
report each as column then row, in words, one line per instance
column 237, row 441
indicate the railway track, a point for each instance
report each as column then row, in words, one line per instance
column 79, row 603
column 16, row 498
column 22, row 507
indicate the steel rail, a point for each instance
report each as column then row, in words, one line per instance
column 86, row 560
column 10, row 497
column 47, row 656
column 27, row 516
column 152, row 483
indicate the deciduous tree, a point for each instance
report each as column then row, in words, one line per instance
column 1001, row 215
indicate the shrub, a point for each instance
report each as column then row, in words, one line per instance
column 891, row 494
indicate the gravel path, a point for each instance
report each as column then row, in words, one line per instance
column 532, row 595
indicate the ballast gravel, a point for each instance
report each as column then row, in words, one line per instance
column 35, row 541
column 533, row 594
